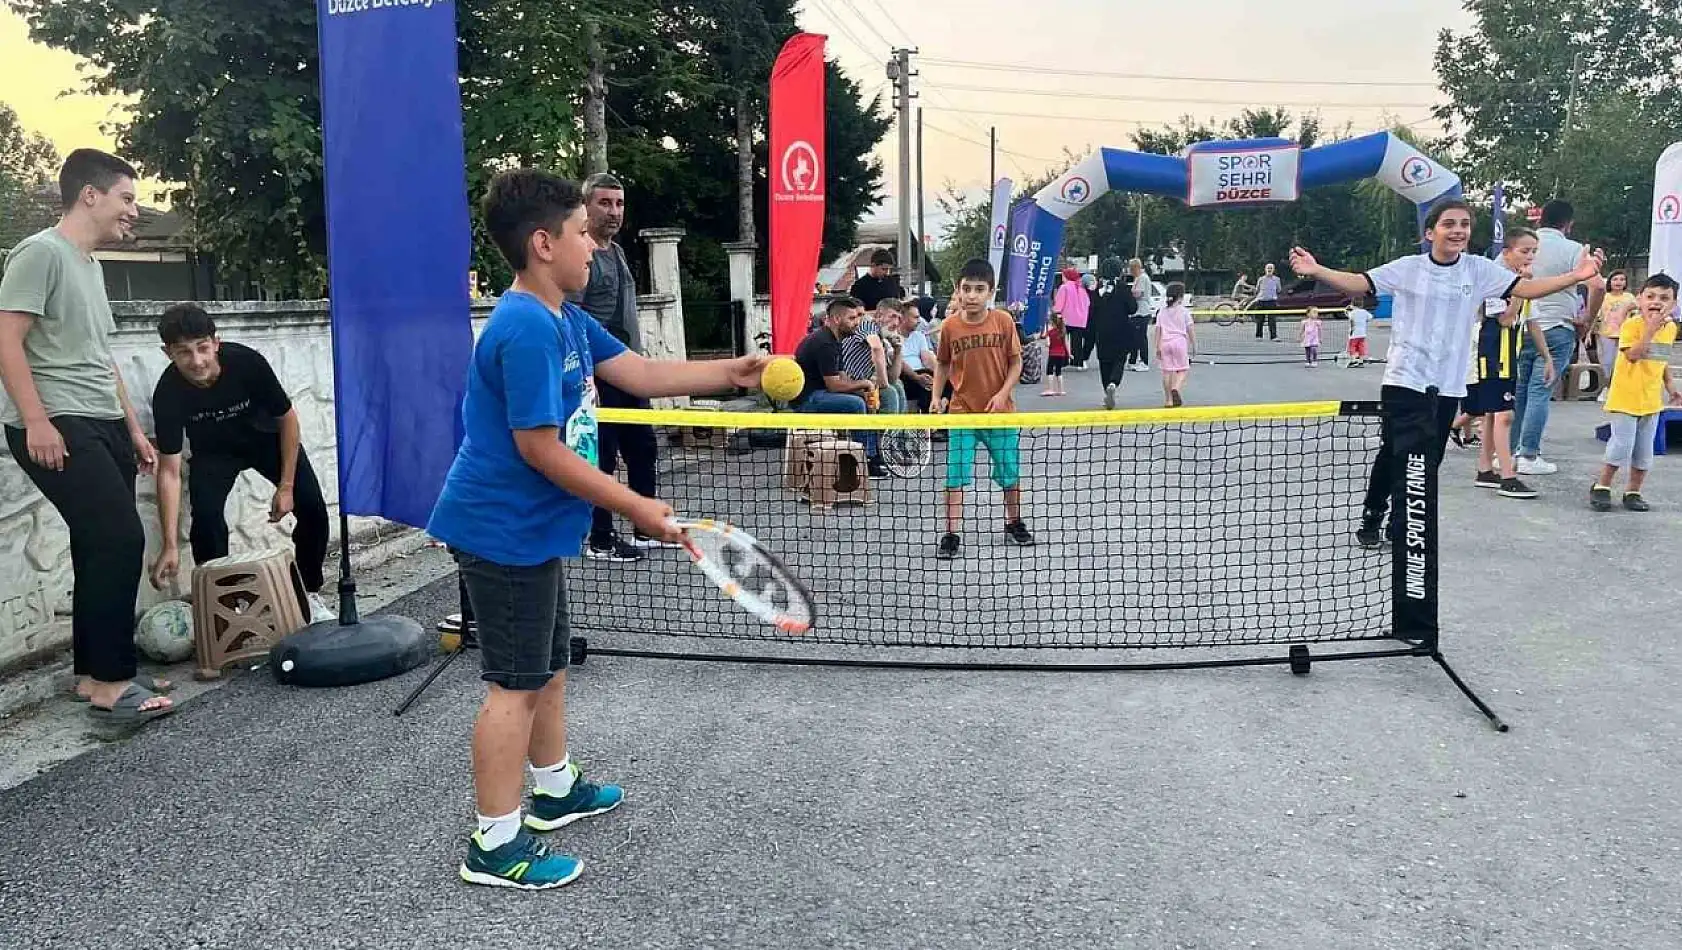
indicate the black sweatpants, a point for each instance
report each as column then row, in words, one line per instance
column 211, row 477
column 94, row 493
column 636, row 442
column 1409, row 418
column 1081, row 341
column 1111, row 368
column 1269, row 320
column 1139, row 340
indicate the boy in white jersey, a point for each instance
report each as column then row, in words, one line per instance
column 1437, row 298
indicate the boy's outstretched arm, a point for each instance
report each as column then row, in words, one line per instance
column 1304, row 264
column 1531, row 288
column 544, row 451
column 651, row 379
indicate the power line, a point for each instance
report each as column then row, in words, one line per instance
column 1147, row 123
column 846, row 31
column 979, row 144
column 1098, row 74
column 1190, row 100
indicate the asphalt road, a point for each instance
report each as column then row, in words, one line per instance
column 1366, row 805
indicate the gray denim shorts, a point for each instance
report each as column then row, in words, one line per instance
column 524, row 633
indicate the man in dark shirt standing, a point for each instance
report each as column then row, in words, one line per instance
column 880, row 284
column 226, row 400
column 611, row 298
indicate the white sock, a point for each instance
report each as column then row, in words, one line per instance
column 496, row 832
column 554, row 780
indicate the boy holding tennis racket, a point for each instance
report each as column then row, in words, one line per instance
column 980, row 354
column 518, row 499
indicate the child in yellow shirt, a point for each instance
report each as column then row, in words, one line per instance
column 1639, row 386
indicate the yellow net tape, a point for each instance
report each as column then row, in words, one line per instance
column 711, row 419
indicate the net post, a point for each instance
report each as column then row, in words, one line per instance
column 1415, row 458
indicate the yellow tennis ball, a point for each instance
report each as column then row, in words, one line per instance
column 782, row 379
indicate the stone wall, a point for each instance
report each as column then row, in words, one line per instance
column 35, row 575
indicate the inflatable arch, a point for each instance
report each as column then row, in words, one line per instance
column 1214, row 175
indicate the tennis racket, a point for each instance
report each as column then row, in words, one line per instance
column 750, row 575
column 906, row 452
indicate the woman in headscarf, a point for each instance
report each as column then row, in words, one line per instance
column 1110, row 321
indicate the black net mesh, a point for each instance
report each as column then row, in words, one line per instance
column 1148, row 533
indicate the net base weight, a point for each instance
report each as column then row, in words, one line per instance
column 579, row 651
column 1301, row 662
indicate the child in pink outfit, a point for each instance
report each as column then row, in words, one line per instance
column 1176, row 341
column 1310, row 336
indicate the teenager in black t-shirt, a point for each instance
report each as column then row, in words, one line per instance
column 224, row 398
column 880, row 284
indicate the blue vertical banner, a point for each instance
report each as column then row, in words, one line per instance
column 1498, row 220
column 1015, row 282
column 1036, row 240
column 398, row 249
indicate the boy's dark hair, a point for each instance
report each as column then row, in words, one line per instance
column 90, row 166
column 601, row 180
column 840, row 304
column 977, row 268
column 1514, row 234
column 882, row 256
column 1558, row 213
column 523, row 201
column 184, row 323
column 1443, row 207
column 1660, row 282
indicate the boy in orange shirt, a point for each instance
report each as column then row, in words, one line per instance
column 980, row 354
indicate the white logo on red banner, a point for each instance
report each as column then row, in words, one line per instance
column 802, row 173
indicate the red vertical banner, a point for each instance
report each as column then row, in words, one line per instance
column 797, row 186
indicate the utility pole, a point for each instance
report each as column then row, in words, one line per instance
column 899, row 71
column 922, row 208
column 1139, row 227
column 1570, row 111
column 992, row 155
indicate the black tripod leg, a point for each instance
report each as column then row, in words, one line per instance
column 436, row 672
column 469, row 641
column 1483, row 707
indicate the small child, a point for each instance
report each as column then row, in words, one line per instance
column 1359, row 317
column 1176, row 341
column 1057, row 338
column 1309, row 335
column 1639, row 386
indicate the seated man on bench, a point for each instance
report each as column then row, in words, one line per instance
column 225, row 399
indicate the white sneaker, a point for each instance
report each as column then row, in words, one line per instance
column 1536, row 466
column 1141, row 368
column 1109, row 396
column 319, row 611
column 1602, row 397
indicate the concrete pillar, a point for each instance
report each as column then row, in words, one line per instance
column 741, row 290
column 665, row 279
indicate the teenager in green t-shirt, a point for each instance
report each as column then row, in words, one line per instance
column 71, row 428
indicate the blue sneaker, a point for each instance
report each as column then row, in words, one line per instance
column 526, row 863
column 585, row 800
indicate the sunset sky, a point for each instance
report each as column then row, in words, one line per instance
column 1338, row 55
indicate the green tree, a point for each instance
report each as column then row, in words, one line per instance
column 28, row 166
column 1609, row 178
column 232, row 112
column 1512, row 78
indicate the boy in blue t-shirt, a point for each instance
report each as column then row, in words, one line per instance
column 518, row 499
